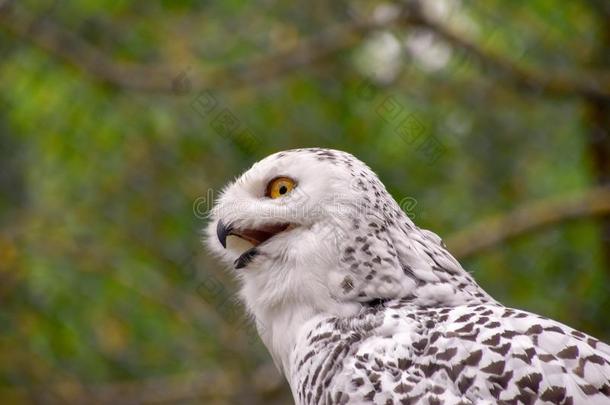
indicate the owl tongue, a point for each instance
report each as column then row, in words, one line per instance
column 261, row 234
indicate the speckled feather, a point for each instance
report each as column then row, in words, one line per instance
column 356, row 304
column 474, row 353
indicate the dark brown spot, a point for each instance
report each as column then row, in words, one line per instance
column 580, row 369
column 588, row 389
column 404, row 364
column 554, row 394
column 482, row 320
column 466, row 328
column 502, row 349
column 492, row 341
column 420, row 345
column 370, row 395
column 509, row 334
column 465, row 317
column 523, row 358
column 447, row 354
column 402, row 388
column 592, row 342
column 465, row 383
column 501, row 380
column 554, row 328
column 534, row 330
column 434, row 401
column 531, row 381
column 429, row 369
column 521, row 315
column 496, row 367
column 594, row 358
column 474, row 358
column 321, row 336
column 347, row 284
column 568, row 353
column 455, row 371
column 434, row 337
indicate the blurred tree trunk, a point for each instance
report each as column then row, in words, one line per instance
column 12, row 200
column 598, row 118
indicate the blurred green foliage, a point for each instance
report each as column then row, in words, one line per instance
column 104, row 284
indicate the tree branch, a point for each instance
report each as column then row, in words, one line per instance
column 529, row 218
column 552, row 83
column 77, row 52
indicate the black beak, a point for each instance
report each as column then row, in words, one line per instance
column 222, row 231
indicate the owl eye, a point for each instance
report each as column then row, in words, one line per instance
column 279, row 187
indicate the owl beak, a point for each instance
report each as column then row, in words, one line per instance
column 222, row 231
column 254, row 236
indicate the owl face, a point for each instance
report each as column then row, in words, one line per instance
column 273, row 213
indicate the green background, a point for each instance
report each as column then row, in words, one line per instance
column 121, row 120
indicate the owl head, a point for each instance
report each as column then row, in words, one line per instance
column 316, row 227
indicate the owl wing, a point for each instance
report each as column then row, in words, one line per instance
column 467, row 354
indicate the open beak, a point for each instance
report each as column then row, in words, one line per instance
column 254, row 236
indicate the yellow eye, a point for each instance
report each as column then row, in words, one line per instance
column 279, row 187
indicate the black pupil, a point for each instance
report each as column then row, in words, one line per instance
column 283, row 190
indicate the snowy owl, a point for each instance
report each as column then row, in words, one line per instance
column 357, row 305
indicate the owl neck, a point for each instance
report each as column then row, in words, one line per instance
column 282, row 312
column 281, row 328
column 438, row 277
column 278, row 330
